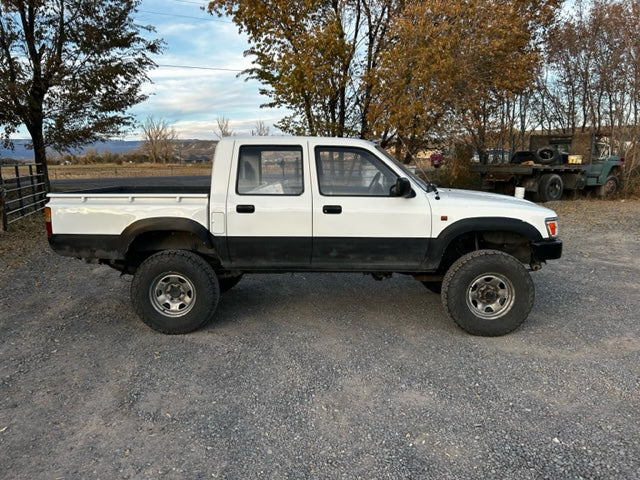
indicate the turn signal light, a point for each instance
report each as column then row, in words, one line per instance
column 552, row 227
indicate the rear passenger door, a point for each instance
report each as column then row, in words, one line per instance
column 269, row 208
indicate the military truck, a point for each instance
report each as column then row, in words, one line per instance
column 554, row 164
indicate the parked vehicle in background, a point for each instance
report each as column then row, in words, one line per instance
column 555, row 163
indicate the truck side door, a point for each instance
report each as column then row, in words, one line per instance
column 269, row 207
column 357, row 222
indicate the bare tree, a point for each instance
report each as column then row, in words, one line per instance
column 159, row 139
column 224, row 130
column 594, row 64
column 260, row 130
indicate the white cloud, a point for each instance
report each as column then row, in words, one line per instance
column 191, row 99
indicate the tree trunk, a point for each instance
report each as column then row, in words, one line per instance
column 35, row 128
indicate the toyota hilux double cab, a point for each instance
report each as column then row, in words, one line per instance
column 309, row 204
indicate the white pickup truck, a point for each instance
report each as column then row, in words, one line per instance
column 298, row 204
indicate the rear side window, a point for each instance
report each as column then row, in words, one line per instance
column 270, row 170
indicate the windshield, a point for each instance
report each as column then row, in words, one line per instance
column 421, row 183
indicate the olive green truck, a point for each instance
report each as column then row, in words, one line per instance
column 554, row 164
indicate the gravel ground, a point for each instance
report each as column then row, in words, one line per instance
column 323, row 375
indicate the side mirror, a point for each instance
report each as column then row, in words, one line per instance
column 402, row 188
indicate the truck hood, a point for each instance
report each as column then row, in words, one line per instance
column 457, row 204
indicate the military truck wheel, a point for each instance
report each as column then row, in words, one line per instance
column 550, row 187
column 610, row 187
column 175, row 291
column 488, row 292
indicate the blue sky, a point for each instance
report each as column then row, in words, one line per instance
column 192, row 99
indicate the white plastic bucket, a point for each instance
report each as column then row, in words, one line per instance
column 519, row 193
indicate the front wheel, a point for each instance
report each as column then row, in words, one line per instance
column 488, row 292
column 175, row 291
column 610, row 187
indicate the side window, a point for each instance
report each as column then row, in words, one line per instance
column 352, row 172
column 269, row 170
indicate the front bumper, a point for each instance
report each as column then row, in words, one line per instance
column 547, row 250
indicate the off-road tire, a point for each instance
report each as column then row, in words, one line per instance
column 550, row 187
column 175, row 292
column 488, row 293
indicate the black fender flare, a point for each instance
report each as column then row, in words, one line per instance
column 439, row 245
column 165, row 224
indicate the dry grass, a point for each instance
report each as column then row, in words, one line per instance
column 24, row 238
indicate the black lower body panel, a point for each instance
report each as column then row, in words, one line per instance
column 108, row 247
column 327, row 254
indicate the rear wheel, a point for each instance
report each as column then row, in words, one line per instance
column 175, row 291
column 488, row 292
column 550, row 187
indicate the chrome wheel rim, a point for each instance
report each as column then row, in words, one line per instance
column 172, row 294
column 490, row 296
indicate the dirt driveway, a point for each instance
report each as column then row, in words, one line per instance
column 323, row 375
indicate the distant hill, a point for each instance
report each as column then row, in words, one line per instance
column 186, row 150
column 22, row 152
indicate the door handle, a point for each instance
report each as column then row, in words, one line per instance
column 245, row 208
column 332, row 209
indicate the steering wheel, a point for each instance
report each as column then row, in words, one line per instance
column 373, row 183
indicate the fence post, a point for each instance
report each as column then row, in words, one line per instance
column 3, row 218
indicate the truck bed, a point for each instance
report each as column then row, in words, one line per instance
column 109, row 210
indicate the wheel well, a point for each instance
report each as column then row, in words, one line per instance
column 148, row 243
column 512, row 243
column 615, row 171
